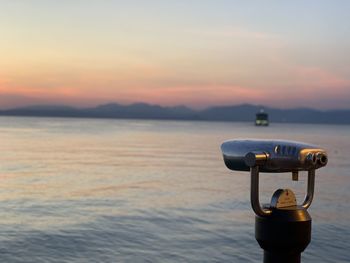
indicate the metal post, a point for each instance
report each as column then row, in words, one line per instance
column 283, row 233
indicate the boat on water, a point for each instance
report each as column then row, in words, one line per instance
column 262, row 118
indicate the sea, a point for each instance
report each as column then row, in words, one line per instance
column 106, row 190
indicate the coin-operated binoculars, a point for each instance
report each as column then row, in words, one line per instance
column 282, row 228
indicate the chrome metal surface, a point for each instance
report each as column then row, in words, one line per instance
column 254, row 193
column 256, row 158
column 310, row 189
column 283, row 156
column 275, row 157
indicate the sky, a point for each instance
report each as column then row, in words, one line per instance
column 197, row 53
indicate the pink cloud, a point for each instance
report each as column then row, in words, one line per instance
column 194, row 95
column 321, row 78
column 308, row 86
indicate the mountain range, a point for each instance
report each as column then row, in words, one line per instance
column 244, row 112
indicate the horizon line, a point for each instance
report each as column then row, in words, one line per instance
column 169, row 106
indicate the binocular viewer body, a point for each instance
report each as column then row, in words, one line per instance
column 282, row 228
column 274, row 156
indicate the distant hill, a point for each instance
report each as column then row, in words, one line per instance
column 244, row 112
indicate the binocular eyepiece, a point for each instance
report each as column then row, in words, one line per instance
column 274, row 156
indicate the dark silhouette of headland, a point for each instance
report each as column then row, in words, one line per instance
column 243, row 113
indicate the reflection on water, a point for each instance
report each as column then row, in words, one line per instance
column 84, row 190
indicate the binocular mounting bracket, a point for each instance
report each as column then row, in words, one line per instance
column 254, row 192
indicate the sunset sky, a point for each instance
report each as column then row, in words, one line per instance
column 197, row 53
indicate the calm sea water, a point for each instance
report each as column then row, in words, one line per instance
column 85, row 190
